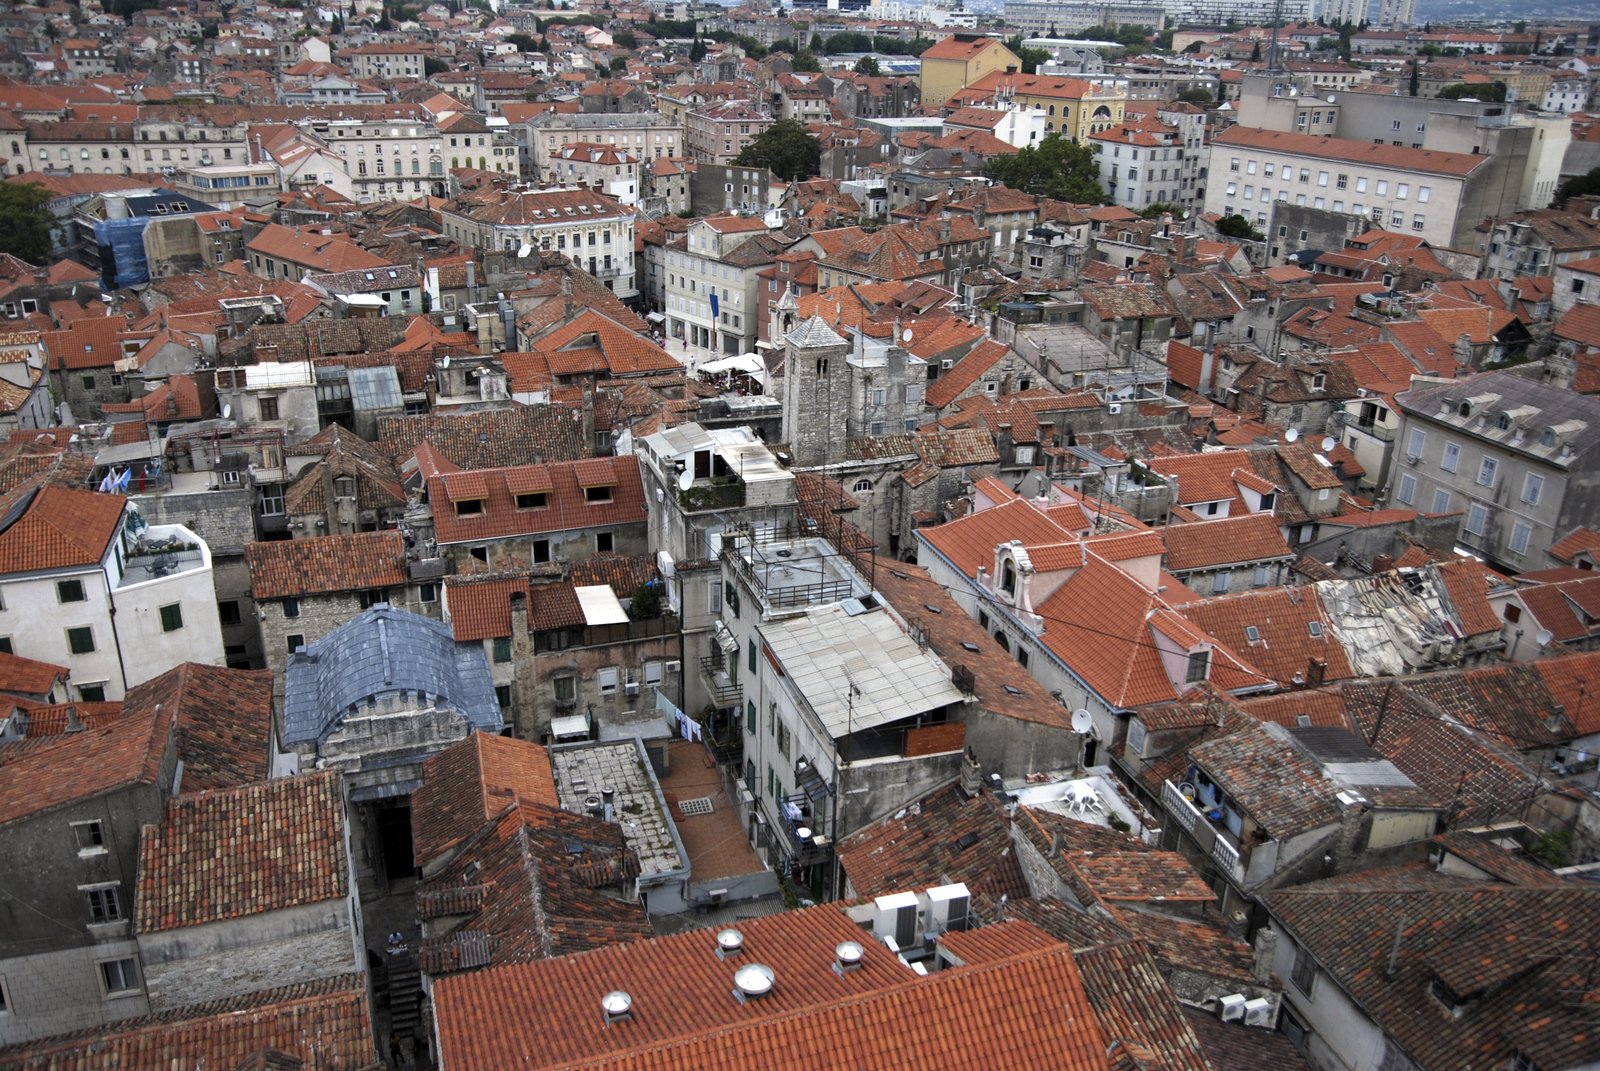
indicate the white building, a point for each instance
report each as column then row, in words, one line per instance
column 713, row 285
column 88, row 585
column 591, row 228
column 647, row 135
column 612, row 171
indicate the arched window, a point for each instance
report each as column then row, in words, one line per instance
column 862, row 486
column 1008, row 577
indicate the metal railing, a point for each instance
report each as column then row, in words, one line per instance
column 1200, row 828
column 724, row 690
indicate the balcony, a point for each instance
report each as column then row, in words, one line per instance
column 1376, row 431
column 1212, row 838
column 723, row 689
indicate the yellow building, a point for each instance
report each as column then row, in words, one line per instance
column 1073, row 107
column 960, row 60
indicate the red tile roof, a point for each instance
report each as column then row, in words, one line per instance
column 351, row 561
column 1570, row 545
column 471, row 783
column 1252, row 537
column 1285, row 644
column 224, row 719
column 1574, row 682
column 244, row 851
column 970, row 541
column 1349, row 151
column 28, row 676
column 1029, row 1004
column 59, row 529
column 566, row 506
column 62, row 770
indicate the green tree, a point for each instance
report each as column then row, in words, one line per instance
column 1578, row 186
column 383, row 24
column 805, row 60
column 25, row 221
column 336, row 24
column 524, row 42
column 432, row 65
column 1030, row 57
column 868, row 66
column 1495, row 92
column 784, row 44
column 1055, row 167
column 697, row 50
column 619, row 64
column 1255, row 53
column 786, row 149
column 1416, row 78
column 1200, row 98
column 625, row 39
column 817, row 45
column 1238, row 227
column 847, row 42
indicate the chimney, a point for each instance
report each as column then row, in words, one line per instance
column 1266, row 947
column 530, row 721
column 971, row 774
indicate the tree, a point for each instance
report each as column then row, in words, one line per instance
column 786, row 149
column 868, row 66
column 619, row 64
column 1055, row 167
column 1255, row 53
column 524, row 42
column 1030, row 57
column 784, row 44
column 697, row 50
column 805, row 60
column 432, row 65
column 625, row 39
column 336, row 24
column 1239, row 227
column 1200, row 98
column 1578, row 186
column 25, row 221
column 1494, row 91
column 1416, row 77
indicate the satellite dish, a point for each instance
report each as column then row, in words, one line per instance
column 1544, row 637
column 685, row 480
column 905, row 336
column 444, row 362
column 524, row 249
column 1291, row 435
column 227, row 411
column 1082, row 721
column 1328, row 443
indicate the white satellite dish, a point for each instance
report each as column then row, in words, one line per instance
column 1544, row 637
column 444, row 362
column 1291, row 435
column 905, row 336
column 524, row 249
column 685, row 480
column 1328, row 443
column 1082, row 721
column 227, row 411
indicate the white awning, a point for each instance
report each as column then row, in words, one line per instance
column 574, row 725
column 600, row 605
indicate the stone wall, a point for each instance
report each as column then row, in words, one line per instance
column 235, row 956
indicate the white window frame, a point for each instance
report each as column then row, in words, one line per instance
column 606, row 678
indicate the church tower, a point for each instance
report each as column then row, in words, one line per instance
column 816, row 392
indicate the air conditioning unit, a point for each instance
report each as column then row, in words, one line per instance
column 1412, row 459
column 674, row 666
column 1114, row 408
column 947, row 364
column 1258, row 1012
column 1230, row 1009
column 631, row 688
column 947, row 907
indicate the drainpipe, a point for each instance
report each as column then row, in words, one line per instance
column 116, row 639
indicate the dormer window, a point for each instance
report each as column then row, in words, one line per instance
column 597, row 494
column 1503, row 422
column 1318, row 381
column 1547, row 438
column 469, row 507
column 532, row 500
column 1008, row 577
column 1199, row 667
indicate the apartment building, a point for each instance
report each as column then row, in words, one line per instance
column 612, row 171
column 960, row 60
column 1073, row 108
column 398, row 62
column 646, row 135
column 1439, row 196
column 717, row 133
column 712, row 285
column 591, row 228
column 1515, row 457
column 387, row 160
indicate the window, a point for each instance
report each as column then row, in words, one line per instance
column 90, row 837
column 604, row 542
column 502, row 649
column 607, row 680
column 1477, row 519
column 1487, row 468
column 1262, row 577
column 468, row 507
column 566, row 689
column 119, row 976
column 1343, row 181
column 1415, row 443
column 750, row 655
column 1304, row 975
column 750, row 718
column 80, row 640
column 1532, row 488
column 1422, row 194
column 714, row 597
column 1407, row 491
column 1219, row 583
column 502, row 696
column 1024, row 455
column 69, row 591
column 269, row 407
column 531, row 501
column 1452, row 457
column 291, row 607
column 541, row 551
column 228, row 612
column 653, row 673
column 171, row 617
column 1441, row 502
column 103, row 902
column 1521, row 532
column 1199, row 666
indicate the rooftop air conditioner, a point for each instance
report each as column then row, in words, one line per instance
column 1230, row 1009
column 1258, row 1012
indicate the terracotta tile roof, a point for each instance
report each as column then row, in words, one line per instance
column 54, row 772
column 1252, row 537
column 28, row 676
column 1270, row 779
column 1567, row 548
column 60, row 719
column 1232, row 1047
column 566, row 505
column 60, row 528
column 321, row 1026
column 685, row 1017
column 1470, row 583
column 969, row 542
column 1529, row 998
column 1509, row 702
column 471, row 783
column 942, row 838
column 490, row 438
column 1346, row 150
column 1205, row 477
column 313, row 249
column 960, row 49
column 1291, row 626
column 1573, row 681
column 593, row 344
column 224, row 721
column 1134, row 1002
column 351, row 561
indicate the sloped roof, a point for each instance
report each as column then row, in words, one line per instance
column 472, row 782
column 59, row 528
column 224, row 721
column 345, row 562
